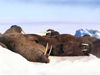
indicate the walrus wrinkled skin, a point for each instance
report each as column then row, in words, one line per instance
column 24, row 46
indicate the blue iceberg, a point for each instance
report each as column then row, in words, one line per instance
column 87, row 32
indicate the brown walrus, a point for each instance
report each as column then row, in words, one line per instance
column 51, row 33
column 58, row 48
column 19, row 43
column 27, row 48
column 83, row 44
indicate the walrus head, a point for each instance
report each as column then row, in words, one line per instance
column 15, row 29
column 51, row 33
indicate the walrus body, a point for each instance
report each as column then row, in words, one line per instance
column 27, row 48
column 18, row 42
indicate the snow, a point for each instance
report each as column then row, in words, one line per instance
column 14, row 64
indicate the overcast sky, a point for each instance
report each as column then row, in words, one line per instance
column 70, row 10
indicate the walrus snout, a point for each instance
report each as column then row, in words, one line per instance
column 44, row 59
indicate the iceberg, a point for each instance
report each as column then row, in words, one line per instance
column 88, row 32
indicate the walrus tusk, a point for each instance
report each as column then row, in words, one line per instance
column 85, row 44
column 85, row 50
column 22, row 32
column 50, row 51
column 45, row 32
column 46, row 49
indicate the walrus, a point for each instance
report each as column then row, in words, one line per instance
column 51, row 33
column 27, row 48
column 84, row 44
column 16, row 41
column 64, row 42
column 58, row 48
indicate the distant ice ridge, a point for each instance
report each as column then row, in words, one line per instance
column 90, row 32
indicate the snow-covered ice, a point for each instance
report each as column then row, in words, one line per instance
column 14, row 64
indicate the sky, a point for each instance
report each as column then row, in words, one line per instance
column 50, row 10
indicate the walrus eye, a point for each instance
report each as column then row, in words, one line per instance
column 36, row 41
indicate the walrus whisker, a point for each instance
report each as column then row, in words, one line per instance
column 46, row 49
column 50, row 51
